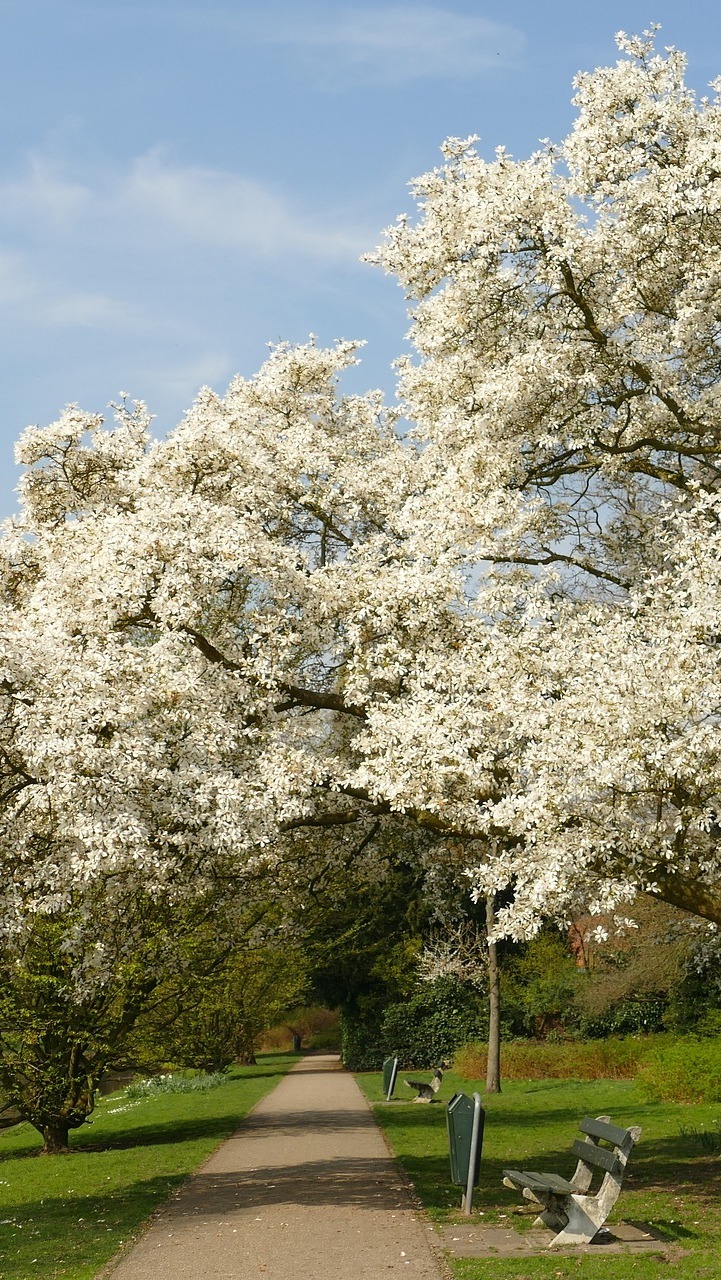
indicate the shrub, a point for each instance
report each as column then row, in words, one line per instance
column 613, row 1059
column 432, row 1024
column 637, row 1015
column 361, row 1045
column 175, row 1084
column 539, row 985
column 327, row 1040
column 683, row 1070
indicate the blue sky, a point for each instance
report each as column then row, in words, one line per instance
column 182, row 183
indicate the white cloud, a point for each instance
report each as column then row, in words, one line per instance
column 229, row 211
column 111, row 249
column 44, row 193
column 164, row 378
column 156, row 204
column 349, row 45
column 28, row 294
column 395, row 43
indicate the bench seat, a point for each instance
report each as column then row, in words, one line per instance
column 549, row 1181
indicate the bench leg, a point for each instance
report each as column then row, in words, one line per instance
column 551, row 1212
column 585, row 1218
column 549, row 1219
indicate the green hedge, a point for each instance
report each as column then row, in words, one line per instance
column 683, row 1070
column 361, row 1047
column 434, row 1023
column 422, row 1030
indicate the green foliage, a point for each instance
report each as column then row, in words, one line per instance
column 695, row 999
column 638, row 982
column 173, row 1083
column 540, row 982
column 433, row 1023
column 317, row 1027
column 104, row 984
column 683, row 1070
column 56, row 1041
column 366, row 945
column 362, row 1047
column 326, row 1041
column 611, row 1059
column 640, row 1015
column 363, row 920
column 641, row 980
column 219, row 1017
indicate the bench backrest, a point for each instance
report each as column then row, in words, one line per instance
column 611, row 1159
column 602, row 1128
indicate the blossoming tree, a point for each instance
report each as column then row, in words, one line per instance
column 501, row 629
column 566, row 384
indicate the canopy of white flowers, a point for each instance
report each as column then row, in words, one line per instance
column 504, row 625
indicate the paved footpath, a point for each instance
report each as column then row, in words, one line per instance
column 305, row 1189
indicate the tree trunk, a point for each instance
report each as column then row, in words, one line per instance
column 56, row 1138
column 493, row 1067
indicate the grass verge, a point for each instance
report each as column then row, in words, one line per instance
column 673, row 1180
column 63, row 1217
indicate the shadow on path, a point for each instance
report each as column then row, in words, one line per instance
column 361, row 1183
column 312, row 1121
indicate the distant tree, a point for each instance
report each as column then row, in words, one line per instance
column 635, row 976
column 218, row 1019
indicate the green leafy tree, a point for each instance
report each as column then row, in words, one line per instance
column 77, row 984
column 540, row 985
column 219, row 1018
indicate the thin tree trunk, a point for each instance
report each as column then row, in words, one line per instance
column 493, row 1067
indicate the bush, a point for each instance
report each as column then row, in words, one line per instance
column 362, row 1048
column 683, row 1070
column 540, row 982
column 175, row 1084
column 640, row 1015
column 327, row 1040
column 613, row 1059
column 432, row 1024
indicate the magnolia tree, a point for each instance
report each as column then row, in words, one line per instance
column 566, row 386
column 501, row 628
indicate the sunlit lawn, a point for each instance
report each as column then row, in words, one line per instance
column 672, row 1182
column 65, row 1216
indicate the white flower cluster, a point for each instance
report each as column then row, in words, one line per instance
column 505, row 628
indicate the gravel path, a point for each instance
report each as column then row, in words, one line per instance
column 305, row 1188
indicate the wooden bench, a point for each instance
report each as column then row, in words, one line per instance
column 572, row 1206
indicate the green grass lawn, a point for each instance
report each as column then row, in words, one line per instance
column 65, row 1216
column 672, row 1183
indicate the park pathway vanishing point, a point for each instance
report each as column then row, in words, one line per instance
column 305, row 1188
